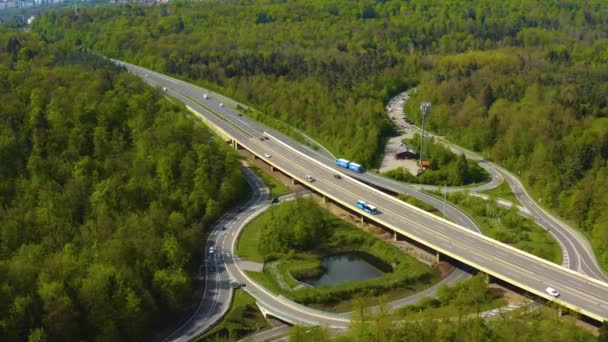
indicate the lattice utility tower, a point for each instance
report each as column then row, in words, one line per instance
column 425, row 111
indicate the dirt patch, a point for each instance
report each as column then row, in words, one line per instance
column 390, row 162
column 510, row 296
column 444, row 268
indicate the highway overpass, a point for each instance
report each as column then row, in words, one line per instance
column 579, row 292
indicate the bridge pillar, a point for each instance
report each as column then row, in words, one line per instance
column 271, row 168
column 324, row 199
column 293, row 181
column 395, row 237
column 437, row 257
column 362, row 219
column 560, row 312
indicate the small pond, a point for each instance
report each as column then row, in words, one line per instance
column 348, row 267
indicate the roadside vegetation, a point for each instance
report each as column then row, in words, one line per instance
column 503, row 191
column 276, row 188
column 508, row 226
column 471, row 296
column 523, row 325
column 243, row 318
column 106, row 192
column 504, row 225
column 452, row 315
column 295, row 235
column 447, row 168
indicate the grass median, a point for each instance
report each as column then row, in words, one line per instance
column 242, row 319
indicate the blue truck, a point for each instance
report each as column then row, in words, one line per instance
column 367, row 207
column 349, row 165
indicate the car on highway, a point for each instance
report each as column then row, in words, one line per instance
column 146, row 75
column 552, row 292
column 205, row 96
column 221, row 104
column 165, row 88
column 274, row 200
column 211, row 250
column 267, row 155
column 309, row 178
column 261, row 138
column 401, row 126
column 337, row 176
column 223, row 227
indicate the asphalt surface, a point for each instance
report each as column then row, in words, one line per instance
column 579, row 292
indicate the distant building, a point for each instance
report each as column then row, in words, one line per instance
column 405, row 152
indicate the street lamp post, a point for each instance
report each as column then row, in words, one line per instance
column 425, row 111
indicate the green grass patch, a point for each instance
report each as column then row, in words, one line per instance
column 242, row 319
column 508, row 226
column 247, row 245
column 276, row 188
column 420, row 204
column 405, row 275
column 467, row 297
column 503, row 191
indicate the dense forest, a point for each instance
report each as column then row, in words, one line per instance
column 106, row 191
column 522, row 81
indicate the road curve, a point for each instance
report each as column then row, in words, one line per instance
column 578, row 254
column 217, row 294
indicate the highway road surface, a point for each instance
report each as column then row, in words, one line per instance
column 578, row 292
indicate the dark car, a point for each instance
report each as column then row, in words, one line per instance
column 337, row 176
column 212, row 269
column 262, row 139
column 236, row 285
column 274, row 200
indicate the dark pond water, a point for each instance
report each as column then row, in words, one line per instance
column 347, row 267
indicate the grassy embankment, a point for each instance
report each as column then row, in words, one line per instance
column 276, row 188
column 503, row 191
column 242, row 319
column 504, row 225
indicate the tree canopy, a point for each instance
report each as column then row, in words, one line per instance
column 106, row 192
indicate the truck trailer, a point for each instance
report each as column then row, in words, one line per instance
column 342, row 163
column 349, row 165
column 355, row 167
